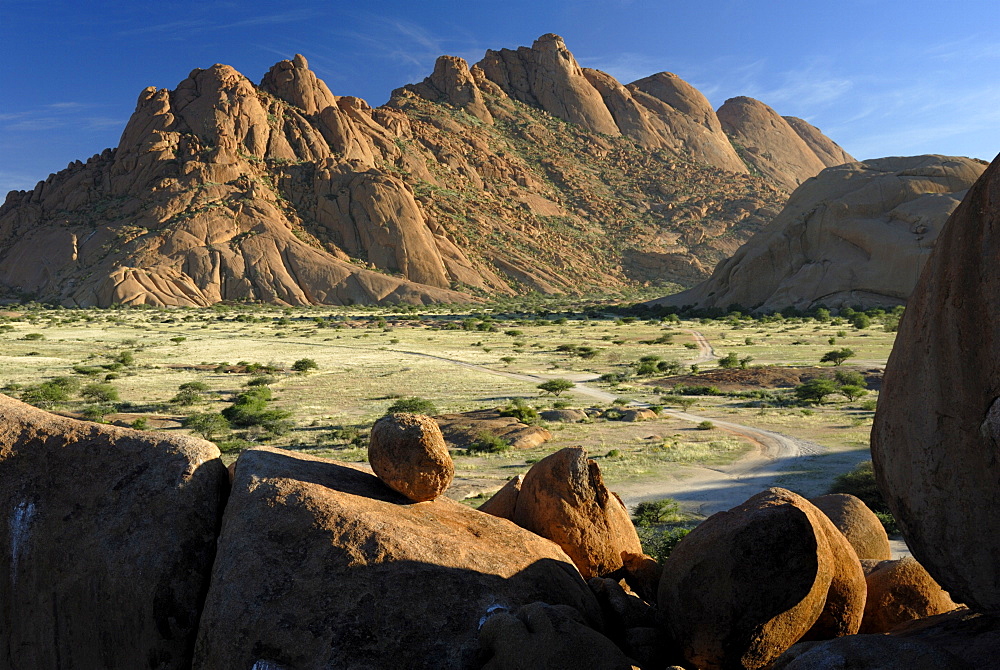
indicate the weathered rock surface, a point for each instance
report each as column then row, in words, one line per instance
column 901, row 591
column 109, row 536
column 858, row 524
column 504, row 502
column 746, row 584
column 563, row 498
column 408, row 453
column 539, row 635
column 564, row 415
column 461, row 430
column 828, row 151
column 858, row 234
column 771, row 144
column 937, row 431
column 869, row 651
column 973, row 637
column 321, row 565
column 845, row 601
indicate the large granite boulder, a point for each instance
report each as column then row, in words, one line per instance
column 563, row 498
column 845, row 601
column 937, row 430
column 858, row 524
column 321, row 565
column 857, row 234
column 107, row 543
column 746, row 584
column 973, row 637
column 881, row 652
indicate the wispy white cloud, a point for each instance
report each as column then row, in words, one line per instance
column 626, row 67
column 87, row 116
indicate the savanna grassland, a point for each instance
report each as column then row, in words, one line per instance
column 321, row 376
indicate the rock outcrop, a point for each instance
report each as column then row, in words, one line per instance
column 462, row 429
column 321, row 565
column 937, row 429
column 469, row 181
column 108, row 542
column 774, row 147
column 858, row 524
column 869, row 651
column 563, row 498
column 408, row 453
column 858, row 234
column 746, row 584
column 504, row 502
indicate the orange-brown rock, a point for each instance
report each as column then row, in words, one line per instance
column 504, row 502
column 845, row 601
column 971, row 636
column 937, row 430
column 829, row 152
column 900, row 591
column 539, row 635
column 858, row 524
column 746, row 584
column 107, row 544
column 858, row 234
column 642, row 574
column 408, row 453
column 453, row 83
column 563, row 498
column 321, row 565
column 770, row 144
column 462, row 429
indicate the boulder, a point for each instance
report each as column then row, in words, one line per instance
column 461, row 430
column 858, row 524
column 321, row 565
column 900, row 591
column 937, row 429
column 545, row 636
column 857, row 234
column 504, row 502
column 107, row 544
column 408, row 453
column 845, row 601
column 563, row 498
column 829, row 152
column 637, row 414
column 642, row 574
column 746, row 584
column 971, row 636
column 869, row 651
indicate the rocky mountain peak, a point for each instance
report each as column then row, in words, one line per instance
column 293, row 82
column 453, row 83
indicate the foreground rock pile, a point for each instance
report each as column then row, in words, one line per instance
column 130, row 549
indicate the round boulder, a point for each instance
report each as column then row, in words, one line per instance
column 408, row 453
column 858, row 524
column 900, row 591
column 746, row 584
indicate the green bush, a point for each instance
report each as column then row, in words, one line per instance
column 105, row 393
column 207, row 424
column 658, row 543
column 250, row 408
column 521, row 411
column 815, row 391
column 487, row 442
column 305, row 365
column 649, row 512
column 729, row 361
column 556, row 386
column 412, row 405
column 706, row 425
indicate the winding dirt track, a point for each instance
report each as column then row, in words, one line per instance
column 701, row 489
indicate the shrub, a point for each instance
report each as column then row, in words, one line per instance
column 815, row 391
column 521, row 411
column 261, row 380
column 198, row 386
column 729, row 361
column 659, row 543
column 207, row 424
column 849, row 378
column 125, row 358
column 96, row 412
column 706, row 425
column 33, row 337
column 304, row 365
column 852, row 392
column 186, row 398
column 142, row 423
column 412, row 405
column 100, row 393
column 178, row 339
column 656, row 511
column 249, row 408
column 487, row 442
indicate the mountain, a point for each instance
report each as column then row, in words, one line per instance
column 522, row 173
column 857, row 234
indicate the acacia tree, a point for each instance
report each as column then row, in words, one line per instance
column 556, row 386
column 837, row 356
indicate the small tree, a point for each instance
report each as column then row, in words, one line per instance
column 837, row 356
column 304, row 365
column 100, row 393
column 745, row 361
column 815, row 391
column 852, row 392
column 649, row 512
column 207, row 424
column 413, row 405
column 849, row 378
column 556, row 386
column 729, row 361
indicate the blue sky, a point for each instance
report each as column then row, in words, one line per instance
column 880, row 77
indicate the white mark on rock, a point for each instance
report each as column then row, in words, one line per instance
column 490, row 611
column 266, row 665
column 20, row 525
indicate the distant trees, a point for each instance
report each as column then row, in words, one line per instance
column 207, row 424
column 816, row 390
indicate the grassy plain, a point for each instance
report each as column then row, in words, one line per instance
column 461, row 360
